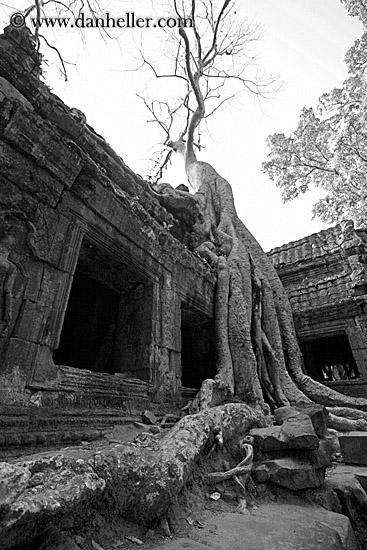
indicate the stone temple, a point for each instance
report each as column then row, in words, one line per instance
column 104, row 308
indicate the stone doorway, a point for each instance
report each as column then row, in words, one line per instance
column 329, row 359
column 197, row 347
column 87, row 335
column 108, row 319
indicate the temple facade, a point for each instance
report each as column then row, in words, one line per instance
column 104, row 310
column 102, row 307
column 326, row 281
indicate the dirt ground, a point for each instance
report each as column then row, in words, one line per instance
column 195, row 519
column 186, row 518
column 105, row 531
column 194, row 516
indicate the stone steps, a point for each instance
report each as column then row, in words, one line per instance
column 27, row 429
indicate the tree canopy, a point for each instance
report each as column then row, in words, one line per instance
column 329, row 146
column 207, row 64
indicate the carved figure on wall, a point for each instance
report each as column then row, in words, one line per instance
column 354, row 247
column 8, row 273
column 14, row 230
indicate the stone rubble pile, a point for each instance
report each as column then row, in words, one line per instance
column 295, row 452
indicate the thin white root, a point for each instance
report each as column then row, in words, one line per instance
column 244, row 467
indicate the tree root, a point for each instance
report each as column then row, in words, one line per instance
column 258, row 357
column 323, row 395
column 244, row 467
column 353, row 414
column 342, row 424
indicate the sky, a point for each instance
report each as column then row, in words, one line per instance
column 304, row 41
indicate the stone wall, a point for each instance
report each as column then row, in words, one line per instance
column 72, row 213
column 326, row 280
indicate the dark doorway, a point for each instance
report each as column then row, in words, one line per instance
column 87, row 334
column 197, row 348
column 108, row 318
column 329, row 359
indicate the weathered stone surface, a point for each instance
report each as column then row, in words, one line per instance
column 13, row 481
column 140, row 425
column 295, row 433
column 321, row 457
column 155, row 429
column 317, row 413
column 290, row 454
column 9, row 91
column 331, row 443
column 63, row 486
column 283, row 413
column 63, row 182
column 57, row 540
column 299, row 433
column 148, row 417
column 294, row 474
column 268, row 439
column 353, row 446
column 260, row 474
column 188, row 544
column 349, row 484
column 27, row 132
column 273, row 527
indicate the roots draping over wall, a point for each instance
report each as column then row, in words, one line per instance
column 257, row 354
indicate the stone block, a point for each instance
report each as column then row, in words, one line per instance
column 45, row 369
column 268, row 439
column 295, row 433
column 294, row 474
column 317, row 413
column 148, row 417
column 353, row 446
column 155, row 429
column 7, row 90
column 31, row 321
column 29, row 177
column 20, row 355
column 331, row 442
column 321, row 457
column 299, row 433
column 33, row 283
column 52, row 280
column 283, row 413
column 30, row 133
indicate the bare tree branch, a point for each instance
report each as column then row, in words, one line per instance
column 58, row 54
column 214, row 42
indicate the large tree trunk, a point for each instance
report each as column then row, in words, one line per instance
column 258, row 356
